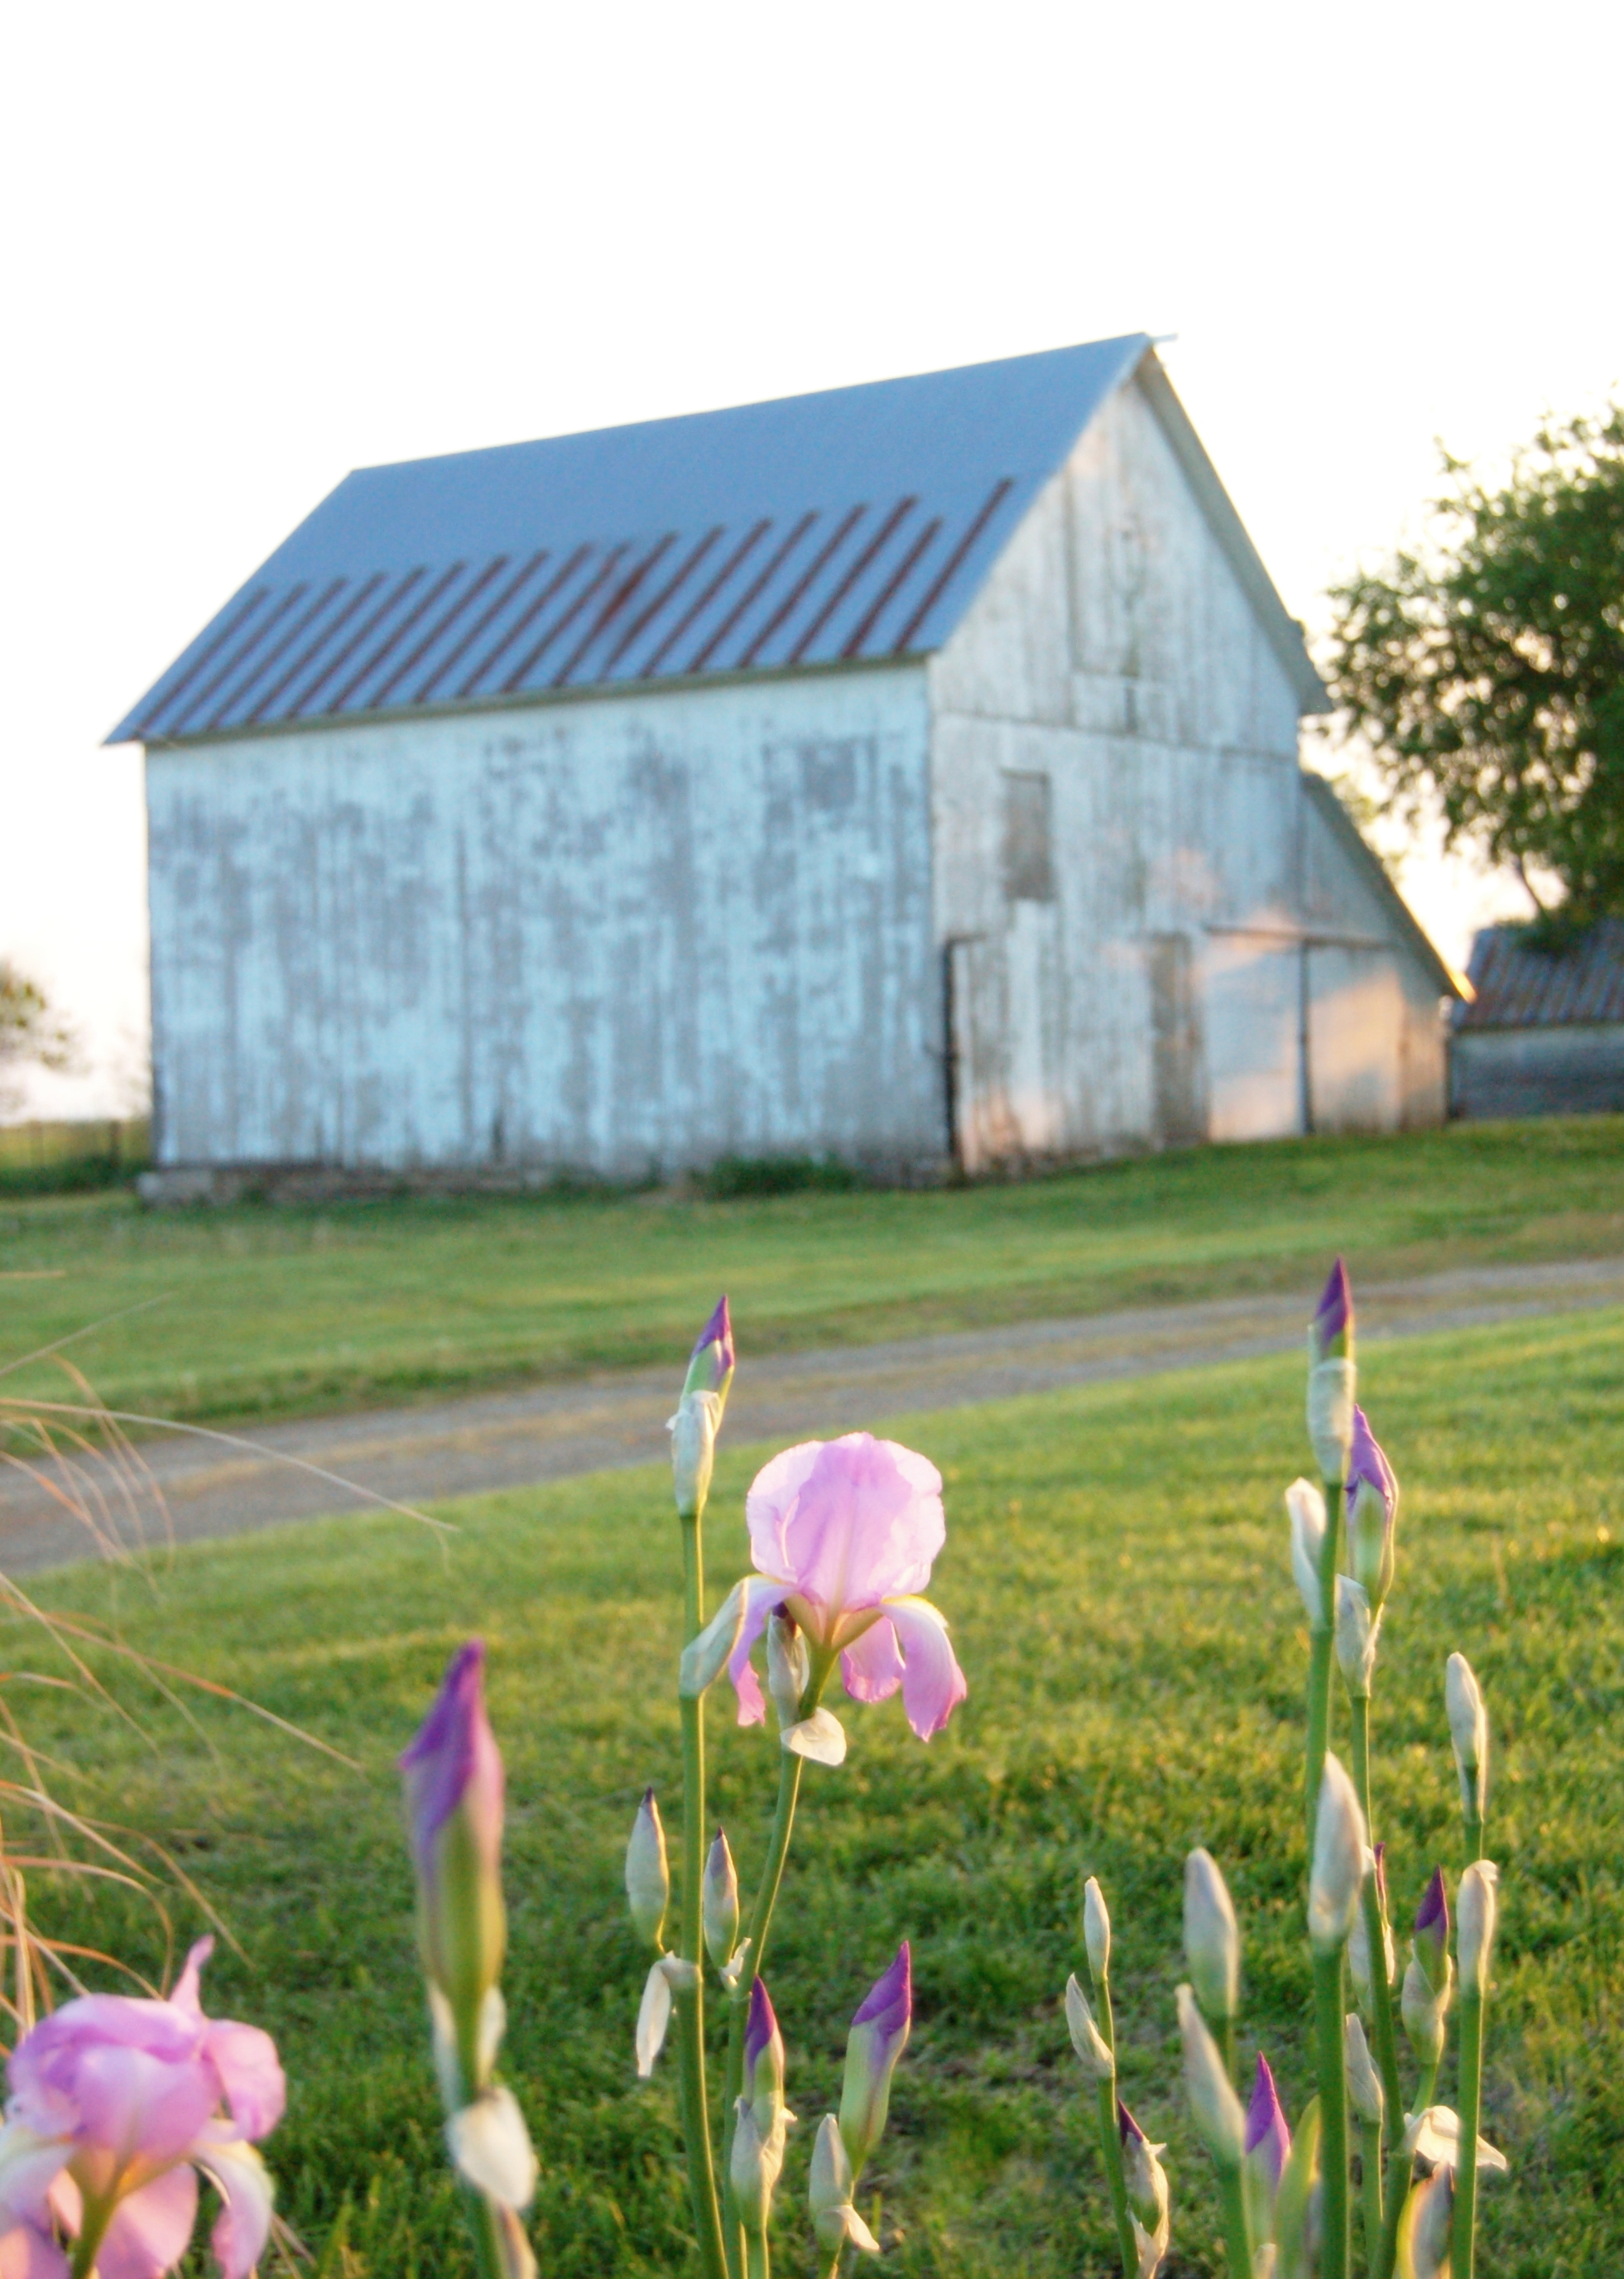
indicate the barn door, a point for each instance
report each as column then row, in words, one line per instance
column 1031, row 960
column 1179, row 1106
column 1254, row 1025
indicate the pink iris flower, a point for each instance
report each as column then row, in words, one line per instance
column 843, row 1534
column 116, row 2104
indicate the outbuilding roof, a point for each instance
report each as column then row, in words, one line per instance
column 852, row 525
column 1519, row 986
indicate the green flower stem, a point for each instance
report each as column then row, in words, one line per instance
column 1110, row 2133
column 758, row 2257
column 1463, row 2234
column 690, row 2001
column 1322, row 1640
column 1111, row 2147
column 88, row 2245
column 1370, row 2191
column 790, row 1766
column 1358, row 1742
column 1474, row 1837
column 1327, row 2022
column 1236, row 2231
column 1375, row 1939
column 490, row 2257
column 1399, row 2173
column 485, row 2227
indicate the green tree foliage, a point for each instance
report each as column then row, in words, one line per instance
column 1487, row 667
column 29, row 1031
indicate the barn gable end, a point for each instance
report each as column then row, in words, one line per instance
column 1128, row 670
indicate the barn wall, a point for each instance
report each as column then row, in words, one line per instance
column 1378, row 1045
column 612, row 936
column 1574, row 1068
column 1155, row 995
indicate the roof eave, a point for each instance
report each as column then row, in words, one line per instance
column 520, row 699
column 1323, row 795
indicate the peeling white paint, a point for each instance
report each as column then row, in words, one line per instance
column 615, row 937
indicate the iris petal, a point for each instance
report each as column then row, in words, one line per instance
column 932, row 1683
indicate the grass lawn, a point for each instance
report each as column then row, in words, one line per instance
column 1117, row 1575
column 265, row 1311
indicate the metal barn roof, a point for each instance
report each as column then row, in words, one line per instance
column 1520, row 988
column 854, row 524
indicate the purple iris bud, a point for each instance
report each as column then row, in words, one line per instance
column 760, row 2025
column 878, row 2037
column 1269, row 2140
column 454, row 1815
column 711, row 1365
column 1331, row 1331
column 1432, row 1933
column 763, row 2058
column 1367, row 1466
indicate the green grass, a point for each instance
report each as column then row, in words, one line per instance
column 273, row 1310
column 1115, row 1573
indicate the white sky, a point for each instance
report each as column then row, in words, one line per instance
column 249, row 247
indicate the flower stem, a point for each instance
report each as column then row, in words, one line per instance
column 790, row 1766
column 1370, row 2191
column 483, row 2223
column 1328, row 2017
column 1236, row 2231
column 1474, row 1837
column 758, row 2257
column 1375, row 1941
column 87, row 2246
column 690, row 2003
column 1399, row 2172
column 1400, row 2175
column 1111, row 2147
column 1321, row 1638
column 1463, row 2233
column 1110, row 2131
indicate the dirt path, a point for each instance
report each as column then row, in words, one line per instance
column 425, row 1454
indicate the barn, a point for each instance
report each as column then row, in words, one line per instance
column 906, row 773
column 1543, row 1030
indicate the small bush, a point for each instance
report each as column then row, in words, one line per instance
column 732, row 1177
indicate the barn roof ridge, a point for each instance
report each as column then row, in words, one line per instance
column 852, row 525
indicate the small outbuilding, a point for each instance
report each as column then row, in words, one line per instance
column 907, row 773
column 1542, row 1033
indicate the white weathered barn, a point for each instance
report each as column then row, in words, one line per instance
column 903, row 772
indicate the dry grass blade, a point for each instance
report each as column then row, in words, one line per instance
column 81, row 1455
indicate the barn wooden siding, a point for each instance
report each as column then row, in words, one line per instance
column 1201, row 955
column 616, row 937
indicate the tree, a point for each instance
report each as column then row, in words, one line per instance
column 1487, row 667
column 29, row 1031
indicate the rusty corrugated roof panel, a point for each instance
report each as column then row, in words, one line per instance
column 1520, row 986
column 856, row 523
